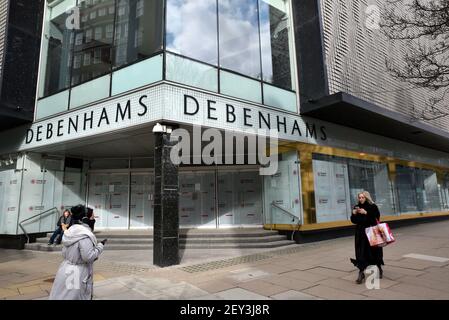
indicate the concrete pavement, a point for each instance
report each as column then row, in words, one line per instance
column 417, row 267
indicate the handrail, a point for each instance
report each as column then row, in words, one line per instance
column 33, row 217
column 273, row 204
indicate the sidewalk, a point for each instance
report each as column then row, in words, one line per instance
column 417, row 267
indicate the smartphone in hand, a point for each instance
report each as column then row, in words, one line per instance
column 104, row 241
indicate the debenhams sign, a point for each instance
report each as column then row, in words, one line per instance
column 170, row 103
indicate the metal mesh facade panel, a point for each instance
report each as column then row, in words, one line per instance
column 356, row 57
column 3, row 34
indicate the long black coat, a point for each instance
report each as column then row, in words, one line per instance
column 365, row 255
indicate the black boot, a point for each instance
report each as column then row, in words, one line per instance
column 361, row 277
column 381, row 272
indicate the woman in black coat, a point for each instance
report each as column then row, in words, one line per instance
column 365, row 214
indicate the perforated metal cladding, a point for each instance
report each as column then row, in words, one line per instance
column 356, row 56
column 3, row 34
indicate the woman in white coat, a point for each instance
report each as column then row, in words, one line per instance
column 74, row 279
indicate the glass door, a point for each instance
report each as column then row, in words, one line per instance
column 142, row 200
column 108, row 195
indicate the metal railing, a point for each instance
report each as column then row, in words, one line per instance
column 34, row 217
column 285, row 211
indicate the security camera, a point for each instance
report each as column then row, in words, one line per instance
column 158, row 128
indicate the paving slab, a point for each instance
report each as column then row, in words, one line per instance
column 183, row 291
column 247, row 274
column 240, row 294
column 290, row 283
column 331, row 293
column 215, row 286
column 305, row 275
column 328, row 272
column 420, row 292
column 387, row 294
column 293, row 295
column 262, row 287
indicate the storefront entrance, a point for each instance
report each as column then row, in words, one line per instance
column 108, row 195
column 223, row 198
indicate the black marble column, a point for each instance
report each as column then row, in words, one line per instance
column 166, row 216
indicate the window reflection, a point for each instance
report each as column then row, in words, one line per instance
column 417, row 189
column 339, row 180
column 59, row 57
column 274, row 37
column 138, row 30
column 192, row 29
column 93, row 41
column 239, row 37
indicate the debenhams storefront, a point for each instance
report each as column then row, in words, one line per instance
column 111, row 69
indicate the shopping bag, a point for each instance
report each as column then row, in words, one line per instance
column 387, row 235
column 375, row 237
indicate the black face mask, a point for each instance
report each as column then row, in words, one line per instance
column 89, row 222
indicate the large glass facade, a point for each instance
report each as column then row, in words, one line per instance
column 338, row 181
column 93, row 40
column 417, row 189
column 138, row 30
column 87, row 39
column 373, row 177
column 57, row 50
column 208, row 44
column 239, row 37
column 276, row 44
column 192, row 29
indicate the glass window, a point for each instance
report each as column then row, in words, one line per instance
column 54, row 104
column 239, row 37
column 88, row 35
column 143, row 73
column 444, row 192
column 430, row 193
column 100, row 41
column 191, row 73
column 282, row 191
column 192, row 29
column 332, row 196
column 372, row 177
column 139, row 30
column 240, row 86
column 275, row 39
column 89, row 92
column 338, row 181
column 280, row 98
column 417, row 189
column 56, row 58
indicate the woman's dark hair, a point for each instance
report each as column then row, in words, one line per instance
column 78, row 212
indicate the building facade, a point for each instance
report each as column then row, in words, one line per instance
column 110, row 70
column 20, row 39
